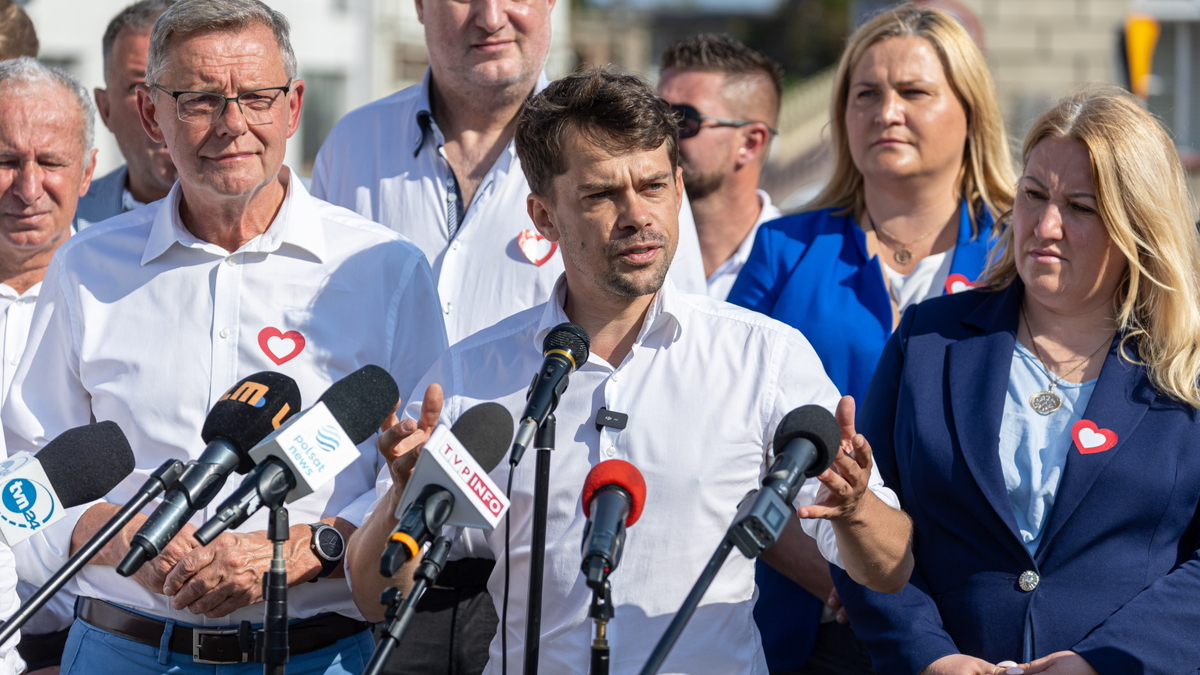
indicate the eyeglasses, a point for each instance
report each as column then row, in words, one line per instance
column 203, row 107
column 692, row 122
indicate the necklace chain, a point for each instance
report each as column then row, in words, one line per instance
column 1055, row 379
column 904, row 254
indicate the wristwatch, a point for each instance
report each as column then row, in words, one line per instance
column 329, row 547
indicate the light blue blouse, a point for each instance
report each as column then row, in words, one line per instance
column 1033, row 447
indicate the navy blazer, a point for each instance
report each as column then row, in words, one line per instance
column 1118, row 567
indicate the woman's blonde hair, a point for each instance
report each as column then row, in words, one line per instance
column 986, row 177
column 1142, row 197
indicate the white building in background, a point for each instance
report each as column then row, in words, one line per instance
column 350, row 52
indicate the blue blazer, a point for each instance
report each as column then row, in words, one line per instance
column 1118, row 567
column 812, row 271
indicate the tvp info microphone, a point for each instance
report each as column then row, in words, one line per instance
column 311, row 448
column 806, row 443
column 613, row 496
column 450, row 484
column 81, row 465
column 565, row 348
column 251, row 409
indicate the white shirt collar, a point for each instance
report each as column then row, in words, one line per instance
column 294, row 225
column 425, row 124
column 665, row 311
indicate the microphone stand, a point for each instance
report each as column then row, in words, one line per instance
column 275, row 621
column 537, row 553
column 689, row 607
column 401, row 609
column 601, row 612
column 164, row 478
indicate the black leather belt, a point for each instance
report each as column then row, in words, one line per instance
column 218, row 646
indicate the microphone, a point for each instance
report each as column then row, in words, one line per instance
column 565, row 348
column 806, row 443
column 248, row 412
column 81, row 465
column 450, row 484
column 309, row 449
column 615, row 493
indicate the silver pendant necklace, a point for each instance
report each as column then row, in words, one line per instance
column 1046, row 402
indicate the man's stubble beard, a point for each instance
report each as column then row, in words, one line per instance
column 698, row 185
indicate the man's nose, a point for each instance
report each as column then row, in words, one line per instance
column 27, row 184
column 493, row 15
column 232, row 121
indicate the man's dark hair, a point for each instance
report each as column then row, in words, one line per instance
column 721, row 53
column 617, row 112
column 140, row 16
column 17, row 36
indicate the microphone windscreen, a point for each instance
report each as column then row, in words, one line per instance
column 486, row 431
column 362, row 400
column 250, row 410
column 571, row 337
column 622, row 474
column 86, row 463
column 815, row 424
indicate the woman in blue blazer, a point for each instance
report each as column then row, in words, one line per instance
column 1043, row 432
column 921, row 168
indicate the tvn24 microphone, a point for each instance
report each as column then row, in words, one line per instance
column 311, row 448
column 806, row 443
column 613, row 496
column 450, row 484
column 244, row 416
column 565, row 348
column 81, row 465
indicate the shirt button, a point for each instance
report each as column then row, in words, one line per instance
column 611, row 451
column 614, row 377
column 447, row 307
column 230, row 261
column 224, row 333
column 454, row 246
column 451, row 197
column 15, row 360
column 1028, row 580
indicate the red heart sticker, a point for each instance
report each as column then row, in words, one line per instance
column 1090, row 439
column 537, row 248
column 957, row 283
column 280, row 347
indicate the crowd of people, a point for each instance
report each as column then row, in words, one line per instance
column 1011, row 349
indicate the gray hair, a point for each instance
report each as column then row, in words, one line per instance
column 140, row 16
column 30, row 71
column 189, row 16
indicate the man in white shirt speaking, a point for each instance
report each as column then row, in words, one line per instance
column 704, row 385
column 147, row 318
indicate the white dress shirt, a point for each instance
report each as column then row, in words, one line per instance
column 141, row 323
column 720, row 282
column 10, row 660
column 385, row 161
column 705, row 386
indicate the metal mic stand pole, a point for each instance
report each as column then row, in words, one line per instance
column 601, row 613
column 275, row 623
column 689, row 607
column 162, row 479
column 401, row 609
column 537, row 553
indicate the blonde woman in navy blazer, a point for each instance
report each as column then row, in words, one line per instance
column 1095, row 569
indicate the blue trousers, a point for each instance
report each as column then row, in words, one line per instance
column 91, row 651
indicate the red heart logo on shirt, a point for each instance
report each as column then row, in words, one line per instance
column 537, row 248
column 280, row 347
column 957, row 283
column 1090, row 439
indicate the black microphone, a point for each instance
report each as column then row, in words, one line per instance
column 240, row 419
column 442, row 497
column 311, row 448
column 565, row 348
column 806, row 443
column 613, row 496
column 80, row 465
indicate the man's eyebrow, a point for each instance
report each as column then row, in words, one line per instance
column 658, row 177
column 595, row 187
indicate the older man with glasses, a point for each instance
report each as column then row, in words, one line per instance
column 149, row 318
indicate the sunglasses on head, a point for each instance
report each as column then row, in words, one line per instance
column 692, row 121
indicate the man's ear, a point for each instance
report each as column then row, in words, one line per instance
column 678, row 189
column 756, row 140
column 146, row 110
column 89, row 169
column 541, row 212
column 295, row 103
column 102, row 106
column 420, row 6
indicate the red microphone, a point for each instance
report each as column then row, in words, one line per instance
column 613, row 496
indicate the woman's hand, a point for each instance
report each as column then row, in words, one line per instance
column 961, row 664
column 845, row 483
column 401, row 441
column 1061, row 663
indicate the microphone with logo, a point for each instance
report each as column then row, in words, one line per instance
column 613, row 496
column 806, row 443
column 79, row 466
column 449, row 486
column 251, row 409
column 565, row 349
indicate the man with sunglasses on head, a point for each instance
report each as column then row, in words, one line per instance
column 728, row 97
column 148, row 318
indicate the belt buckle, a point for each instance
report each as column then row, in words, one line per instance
column 198, row 633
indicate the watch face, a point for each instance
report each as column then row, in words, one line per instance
column 330, row 543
